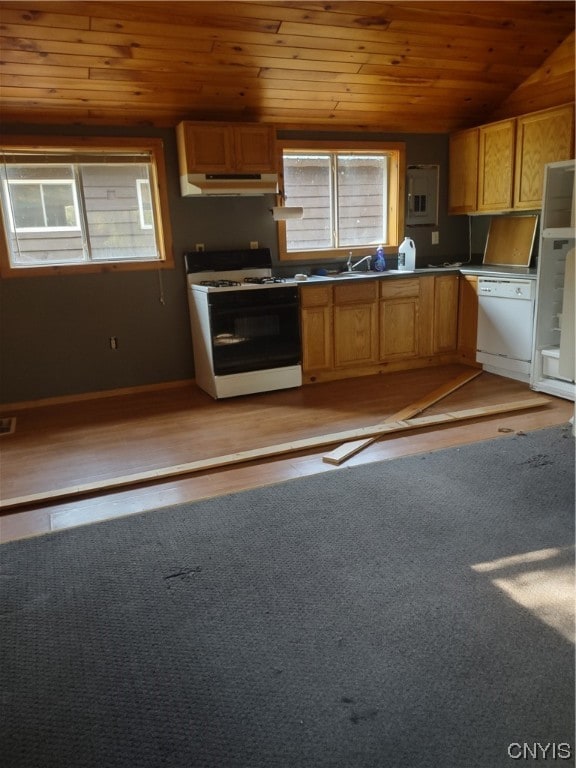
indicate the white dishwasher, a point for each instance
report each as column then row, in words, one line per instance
column 505, row 326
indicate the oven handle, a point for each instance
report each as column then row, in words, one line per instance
column 234, row 308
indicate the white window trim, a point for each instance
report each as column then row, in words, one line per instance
column 139, row 184
column 42, row 182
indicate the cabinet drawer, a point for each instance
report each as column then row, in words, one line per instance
column 400, row 288
column 353, row 294
column 318, row 296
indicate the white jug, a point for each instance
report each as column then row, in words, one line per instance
column 407, row 255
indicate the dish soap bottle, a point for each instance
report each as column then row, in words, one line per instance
column 407, row 255
column 380, row 259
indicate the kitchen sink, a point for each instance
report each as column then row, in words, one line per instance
column 348, row 275
column 356, row 275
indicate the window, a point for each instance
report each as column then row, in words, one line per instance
column 352, row 198
column 99, row 205
column 48, row 205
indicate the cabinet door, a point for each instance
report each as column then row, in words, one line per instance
column 355, row 323
column 355, row 330
column 445, row 335
column 254, row 148
column 208, row 148
column 463, row 172
column 496, row 166
column 316, row 339
column 399, row 318
column 398, row 329
column 542, row 137
column 316, row 328
column 467, row 316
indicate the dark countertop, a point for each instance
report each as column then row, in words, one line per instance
column 471, row 269
column 388, row 274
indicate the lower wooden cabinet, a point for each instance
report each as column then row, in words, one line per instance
column 356, row 324
column 445, row 335
column 371, row 326
column 316, row 328
column 399, row 319
column 468, row 317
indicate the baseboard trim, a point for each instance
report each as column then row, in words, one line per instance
column 65, row 399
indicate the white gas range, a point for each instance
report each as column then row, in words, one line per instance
column 245, row 323
column 209, row 282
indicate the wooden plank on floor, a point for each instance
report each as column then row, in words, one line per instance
column 216, row 462
column 343, row 452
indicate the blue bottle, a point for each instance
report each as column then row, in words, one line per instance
column 380, row 259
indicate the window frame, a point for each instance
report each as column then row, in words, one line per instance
column 70, row 145
column 396, row 195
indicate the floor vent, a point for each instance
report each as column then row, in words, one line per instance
column 7, row 425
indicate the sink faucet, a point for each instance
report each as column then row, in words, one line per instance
column 350, row 266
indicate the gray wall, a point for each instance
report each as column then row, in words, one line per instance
column 54, row 330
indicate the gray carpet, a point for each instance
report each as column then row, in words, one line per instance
column 333, row 621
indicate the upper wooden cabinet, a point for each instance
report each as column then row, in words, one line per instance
column 223, row 148
column 463, row 172
column 500, row 166
column 541, row 138
column 496, row 166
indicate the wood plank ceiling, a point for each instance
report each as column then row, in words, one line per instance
column 396, row 66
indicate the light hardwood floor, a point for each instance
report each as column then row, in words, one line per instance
column 61, row 446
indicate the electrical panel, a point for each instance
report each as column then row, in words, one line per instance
column 422, row 188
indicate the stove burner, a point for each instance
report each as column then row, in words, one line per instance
column 263, row 280
column 219, row 283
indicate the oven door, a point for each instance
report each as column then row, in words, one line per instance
column 254, row 330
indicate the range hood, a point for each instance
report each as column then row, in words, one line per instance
column 220, row 184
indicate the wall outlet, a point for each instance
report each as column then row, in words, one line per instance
column 435, row 238
column 113, row 342
column 199, row 247
column 253, row 244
